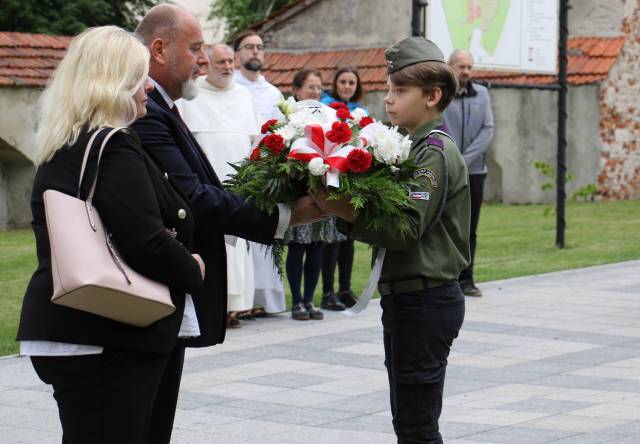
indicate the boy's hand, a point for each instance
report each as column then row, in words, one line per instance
column 341, row 208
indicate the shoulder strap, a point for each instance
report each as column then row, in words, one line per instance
column 86, row 157
column 445, row 191
column 437, row 131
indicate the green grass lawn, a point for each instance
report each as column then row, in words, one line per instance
column 512, row 241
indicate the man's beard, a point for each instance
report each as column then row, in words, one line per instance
column 189, row 89
column 254, row 65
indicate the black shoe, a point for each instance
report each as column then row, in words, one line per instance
column 299, row 313
column 313, row 312
column 348, row 298
column 331, row 302
column 470, row 289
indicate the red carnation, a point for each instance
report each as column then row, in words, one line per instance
column 255, row 154
column 339, row 133
column 359, row 160
column 266, row 126
column 338, row 105
column 343, row 114
column 274, row 143
column 366, row 120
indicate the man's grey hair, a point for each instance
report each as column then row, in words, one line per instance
column 210, row 48
column 457, row 53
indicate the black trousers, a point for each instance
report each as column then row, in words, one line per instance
column 312, row 264
column 164, row 407
column 106, row 398
column 340, row 253
column 476, row 189
column 419, row 329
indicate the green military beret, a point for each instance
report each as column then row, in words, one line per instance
column 410, row 51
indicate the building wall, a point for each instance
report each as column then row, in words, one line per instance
column 19, row 181
column 595, row 17
column 331, row 24
column 4, row 216
column 212, row 29
column 18, row 108
column 17, row 149
column 620, row 111
column 525, row 131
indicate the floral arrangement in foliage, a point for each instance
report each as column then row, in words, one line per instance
column 348, row 153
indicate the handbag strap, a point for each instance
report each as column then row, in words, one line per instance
column 86, row 158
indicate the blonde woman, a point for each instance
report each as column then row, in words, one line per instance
column 105, row 374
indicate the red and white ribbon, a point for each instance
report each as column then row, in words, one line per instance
column 315, row 144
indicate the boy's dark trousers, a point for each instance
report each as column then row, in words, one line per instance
column 419, row 329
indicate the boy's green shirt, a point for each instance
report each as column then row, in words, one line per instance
column 438, row 253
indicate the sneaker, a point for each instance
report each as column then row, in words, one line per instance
column 313, row 312
column 299, row 313
column 331, row 302
column 470, row 289
column 348, row 298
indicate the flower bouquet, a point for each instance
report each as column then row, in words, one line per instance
column 318, row 147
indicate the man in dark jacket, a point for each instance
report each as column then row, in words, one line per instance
column 175, row 42
column 470, row 122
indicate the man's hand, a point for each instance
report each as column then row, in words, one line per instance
column 305, row 211
column 341, row 208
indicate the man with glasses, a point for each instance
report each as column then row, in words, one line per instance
column 249, row 49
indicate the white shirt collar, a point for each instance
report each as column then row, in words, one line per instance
column 163, row 93
column 241, row 77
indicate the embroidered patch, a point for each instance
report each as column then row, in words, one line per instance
column 420, row 195
column 426, row 172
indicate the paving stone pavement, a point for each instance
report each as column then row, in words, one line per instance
column 552, row 358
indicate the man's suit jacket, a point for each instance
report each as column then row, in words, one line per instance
column 217, row 212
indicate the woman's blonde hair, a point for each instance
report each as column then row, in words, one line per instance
column 93, row 86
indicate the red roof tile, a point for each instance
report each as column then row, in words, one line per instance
column 29, row 59
column 590, row 59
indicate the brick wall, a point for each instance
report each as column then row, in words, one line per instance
column 619, row 177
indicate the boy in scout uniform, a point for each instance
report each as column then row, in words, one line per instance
column 422, row 303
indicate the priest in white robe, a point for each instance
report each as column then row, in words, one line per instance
column 225, row 120
column 249, row 49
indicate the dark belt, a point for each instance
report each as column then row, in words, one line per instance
column 408, row 286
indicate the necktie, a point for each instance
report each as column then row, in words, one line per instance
column 177, row 113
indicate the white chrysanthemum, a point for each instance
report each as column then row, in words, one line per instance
column 305, row 117
column 405, row 148
column 358, row 114
column 388, row 145
column 288, row 107
column 317, row 167
column 289, row 132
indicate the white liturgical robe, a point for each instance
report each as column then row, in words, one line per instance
column 225, row 121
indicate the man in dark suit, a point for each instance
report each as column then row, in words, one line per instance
column 175, row 42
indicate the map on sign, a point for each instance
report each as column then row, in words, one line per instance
column 501, row 34
column 488, row 16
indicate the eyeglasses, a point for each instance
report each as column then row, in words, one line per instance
column 252, row 46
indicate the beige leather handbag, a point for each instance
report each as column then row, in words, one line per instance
column 88, row 274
